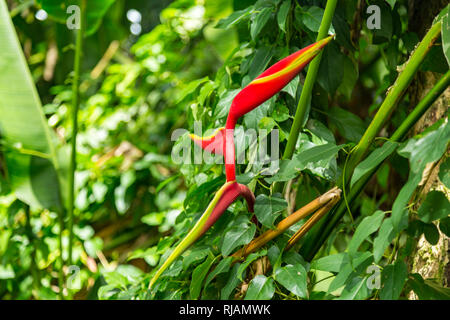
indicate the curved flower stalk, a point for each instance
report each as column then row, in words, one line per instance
column 254, row 94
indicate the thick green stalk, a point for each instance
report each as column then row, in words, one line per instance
column 394, row 95
column 310, row 248
column 311, row 75
column 75, row 107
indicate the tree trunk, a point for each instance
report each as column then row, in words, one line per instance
column 432, row 262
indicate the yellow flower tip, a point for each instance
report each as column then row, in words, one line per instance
column 326, row 40
column 207, row 138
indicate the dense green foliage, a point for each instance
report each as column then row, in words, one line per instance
column 133, row 203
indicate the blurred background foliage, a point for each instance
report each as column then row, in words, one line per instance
column 150, row 67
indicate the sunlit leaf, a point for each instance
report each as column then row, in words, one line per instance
column 260, row 288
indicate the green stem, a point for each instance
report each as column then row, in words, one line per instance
column 311, row 75
column 75, row 107
column 305, row 97
column 394, row 95
column 313, row 244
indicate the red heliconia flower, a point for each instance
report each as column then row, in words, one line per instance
column 254, row 94
column 265, row 86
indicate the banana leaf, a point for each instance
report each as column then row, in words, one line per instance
column 29, row 146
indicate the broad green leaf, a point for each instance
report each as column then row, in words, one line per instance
column 384, row 238
column 274, row 254
column 292, row 257
column 268, row 208
column 349, row 79
column 331, row 69
column 399, row 211
column 319, row 159
column 231, row 284
column 254, row 118
column 95, row 10
column 190, row 88
column 294, row 279
column 283, row 14
column 260, row 61
column 149, row 255
column 222, row 267
column 288, row 170
column 280, row 113
column 349, row 125
column 312, row 18
column 426, row 148
column 342, row 28
column 373, row 160
column 331, row 263
column 131, row 273
column 318, row 153
column 260, row 288
column 367, row 226
column 291, row 87
column 234, row 18
column 351, row 268
column 198, row 275
column 174, row 270
column 34, row 168
column 116, row 279
column 260, row 21
column 223, row 106
column 431, row 233
column 194, row 256
column 252, row 257
column 320, row 130
column 355, row 289
column 436, row 206
column 238, row 235
column 315, row 158
column 444, row 173
column 427, row 289
column 393, row 279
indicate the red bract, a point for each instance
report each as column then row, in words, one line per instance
column 232, row 192
column 271, row 81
